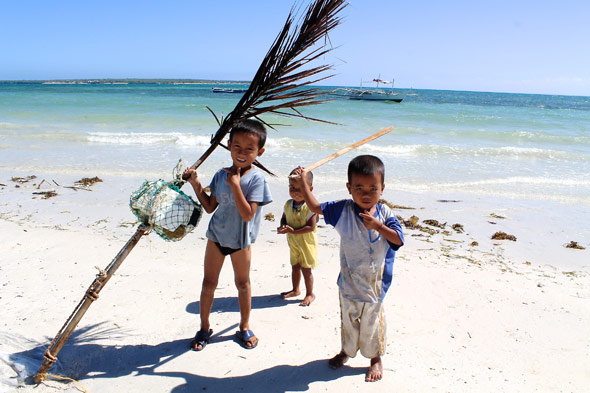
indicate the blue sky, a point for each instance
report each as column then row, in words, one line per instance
column 506, row 46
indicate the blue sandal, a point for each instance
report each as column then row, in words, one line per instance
column 244, row 336
column 202, row 338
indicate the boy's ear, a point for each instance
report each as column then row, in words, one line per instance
column 348, row 187
column 260, row 151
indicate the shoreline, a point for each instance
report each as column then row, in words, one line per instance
column 540, row 227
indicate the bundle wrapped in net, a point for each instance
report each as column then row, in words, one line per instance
column 171, row 213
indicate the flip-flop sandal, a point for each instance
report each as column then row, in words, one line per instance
column 244, row 337
column 202, row 338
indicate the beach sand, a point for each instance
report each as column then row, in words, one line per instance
column 501, row 316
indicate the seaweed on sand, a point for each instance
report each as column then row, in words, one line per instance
column 458, row 228
column 23, row 179
column 412, row 223
column 394, row 207
column 575, row 245
column 503, row 236
column 434, row 223
column 46, row 194
column 88, row 181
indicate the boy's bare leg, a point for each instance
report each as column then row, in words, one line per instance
column 212, row 267
column 241, row 264
column 295, row 279
column 338, row 360
column 309, row 296
column 375, row 371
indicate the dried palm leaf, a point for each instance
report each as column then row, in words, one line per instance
column 282, row 83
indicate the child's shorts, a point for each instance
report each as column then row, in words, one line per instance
column 363, row 328
column 225, row 251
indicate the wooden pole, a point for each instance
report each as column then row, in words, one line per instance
column 348, row 148
column 50, row 356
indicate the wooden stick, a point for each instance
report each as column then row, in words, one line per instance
column 348, row 148
column 91, row 295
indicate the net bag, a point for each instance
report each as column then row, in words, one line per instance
column 171, row 213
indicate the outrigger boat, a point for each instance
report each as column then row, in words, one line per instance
column 370, row 94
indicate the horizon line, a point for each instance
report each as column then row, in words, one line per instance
column 229, row 81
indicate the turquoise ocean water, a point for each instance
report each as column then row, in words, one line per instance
column 535, row 147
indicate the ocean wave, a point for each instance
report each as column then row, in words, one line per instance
column 397, row 149
column 12, row 126
column 573, row 199
column 465, row 152
column 555, row 134
column 568, row 190
column 148, row 138
column 521, row 180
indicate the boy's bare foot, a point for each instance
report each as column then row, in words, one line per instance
column 338, row 360
column 291, row 293
column 307, row 300
column 375, row 371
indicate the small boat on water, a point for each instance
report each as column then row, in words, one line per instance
column 227, row 90
column 370, row 94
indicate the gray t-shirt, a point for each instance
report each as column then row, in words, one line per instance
column 226, row 226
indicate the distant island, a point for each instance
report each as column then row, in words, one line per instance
column 130, row 81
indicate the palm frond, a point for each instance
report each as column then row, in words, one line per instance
column 281, row 83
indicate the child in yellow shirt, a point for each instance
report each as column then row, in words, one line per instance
column 299, row 223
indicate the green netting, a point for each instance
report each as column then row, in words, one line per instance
column 171, row 213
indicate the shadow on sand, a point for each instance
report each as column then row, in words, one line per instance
column 80, row 359
column 230, row 304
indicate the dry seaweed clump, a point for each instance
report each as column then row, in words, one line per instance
column 269, row 217
column 458, row 228
column 503, row 236
column 46, row 194
column 392, row 206
column 23, row 179
column 412, row 223
column 435, row 223
column 88, row 181
column 575, row 245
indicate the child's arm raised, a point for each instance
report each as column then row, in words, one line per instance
column 301, row 181
column 209, row 202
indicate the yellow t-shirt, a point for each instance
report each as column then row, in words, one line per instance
column 304, row 247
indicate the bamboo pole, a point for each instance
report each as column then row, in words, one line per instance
column 348, row 148
column 50, row 356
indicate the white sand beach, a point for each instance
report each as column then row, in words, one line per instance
column 499, row 316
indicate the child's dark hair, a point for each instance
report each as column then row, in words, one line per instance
column 366, row 165
column 308, row 176
column 252, row 127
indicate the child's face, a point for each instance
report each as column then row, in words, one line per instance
column 295, row 191
column 366, row 190
column 244, row 149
